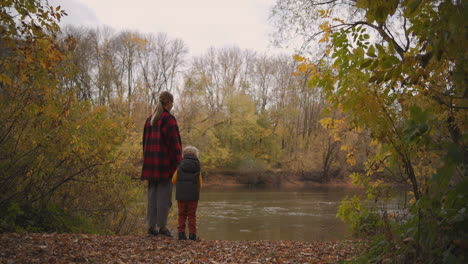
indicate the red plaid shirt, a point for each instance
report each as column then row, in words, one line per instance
column 162, row 148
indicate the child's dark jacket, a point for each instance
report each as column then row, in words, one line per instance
column 188, row 179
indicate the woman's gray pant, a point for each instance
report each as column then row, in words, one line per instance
column 159, row 203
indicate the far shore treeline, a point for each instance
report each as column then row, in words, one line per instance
column 379, row 94
column 244, row 110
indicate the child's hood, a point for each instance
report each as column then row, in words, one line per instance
column 190, row 164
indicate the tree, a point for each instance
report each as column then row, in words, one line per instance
column 397, row 70
column 54, row 145
column 214, row 82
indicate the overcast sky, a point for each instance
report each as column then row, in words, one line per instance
column 201, row 24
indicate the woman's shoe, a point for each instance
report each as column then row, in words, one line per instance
column 193, row 237
column 182, row 236
column 153, row 232
column 165, row 232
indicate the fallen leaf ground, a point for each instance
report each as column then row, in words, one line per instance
column 81, row 248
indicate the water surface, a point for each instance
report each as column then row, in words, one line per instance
column 269, row 214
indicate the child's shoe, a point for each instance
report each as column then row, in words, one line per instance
column 192, row 236
column 182, row 236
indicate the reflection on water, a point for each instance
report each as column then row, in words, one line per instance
column 265, row 214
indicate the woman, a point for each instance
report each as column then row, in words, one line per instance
column 162, row 154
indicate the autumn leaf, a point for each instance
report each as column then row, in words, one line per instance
column 298, row 58
column 302, row 67
column 64, row 248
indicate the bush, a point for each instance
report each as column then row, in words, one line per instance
column 43, row 218
column 363, row 221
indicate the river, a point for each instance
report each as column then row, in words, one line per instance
column 272, row 214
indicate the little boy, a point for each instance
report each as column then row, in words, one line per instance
column 188, row 181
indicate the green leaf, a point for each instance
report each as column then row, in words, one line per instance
column 359, row 52
column 374, row 65
column 371, row 51
column 366, row 63
column 362, row 4
column 380, row 48
column 391, row 47
column 389, row 61
column 381, row 14
column 412, row 6
column 455, row 154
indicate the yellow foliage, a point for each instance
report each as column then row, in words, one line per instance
column 326, row 28
column 351, row 159
column 374, row 142
column 336, row 137
column 339, row 20
column 5, row 79
column 298, row 58
column 312, row 68
column 345, row 148
column 378, row 183
column 302, row 67
column 325, row 13
column 325, row 38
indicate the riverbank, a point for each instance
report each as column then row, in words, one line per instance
column 82, row 248
column 287, row 180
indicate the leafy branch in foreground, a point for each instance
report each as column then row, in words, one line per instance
column 398, row 71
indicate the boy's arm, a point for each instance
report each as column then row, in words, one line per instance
column 200, row 179
column 174, row 178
